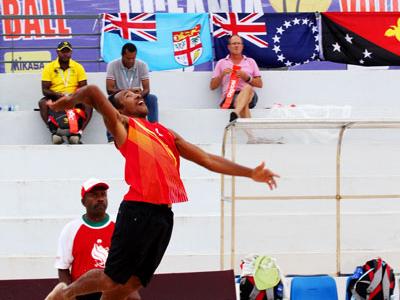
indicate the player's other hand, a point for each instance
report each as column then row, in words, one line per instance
column 262, row 174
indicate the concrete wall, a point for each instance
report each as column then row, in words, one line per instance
column 40, row 183
column 40, row 193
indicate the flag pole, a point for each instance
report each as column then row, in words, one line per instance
column 298, row 5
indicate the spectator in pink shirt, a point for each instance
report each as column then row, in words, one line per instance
column 237, row 75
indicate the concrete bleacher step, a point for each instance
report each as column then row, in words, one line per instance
column 303, row 168
column 55, row 162
column 199, row 126
column 277, row 234
column 179, row 90
column 203, row 193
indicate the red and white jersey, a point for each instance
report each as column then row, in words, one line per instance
column 84, row 245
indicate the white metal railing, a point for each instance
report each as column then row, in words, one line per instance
column 341, row 125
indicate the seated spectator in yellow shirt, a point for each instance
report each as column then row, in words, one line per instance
column 63, row 76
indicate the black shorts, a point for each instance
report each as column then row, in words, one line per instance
column 252, row 103
column 141, row 236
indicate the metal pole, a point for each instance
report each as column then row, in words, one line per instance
column 222, row 220
column 298, row 5
column 233, row 204
column 338, row 198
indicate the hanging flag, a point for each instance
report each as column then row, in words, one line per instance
column 272, row 40
column 369, row 5
column 366, row 5
column 164, row 41
column 135, row 27
column 366, row 39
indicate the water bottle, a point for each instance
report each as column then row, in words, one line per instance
column 237, row 279
column 8, row 107
column 279, row 291
column 357, row 273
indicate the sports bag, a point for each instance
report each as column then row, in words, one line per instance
column 373, row 281
column 261, row 279
column 66, row 122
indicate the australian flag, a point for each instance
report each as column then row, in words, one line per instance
column 272, row 40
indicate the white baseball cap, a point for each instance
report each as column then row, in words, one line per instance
column 89, row 184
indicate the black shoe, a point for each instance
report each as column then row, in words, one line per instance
column 233, row 116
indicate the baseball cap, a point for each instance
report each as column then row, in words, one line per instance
column 63, row 45
column 89, row 184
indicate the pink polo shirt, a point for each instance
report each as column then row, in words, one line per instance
column 247, row 65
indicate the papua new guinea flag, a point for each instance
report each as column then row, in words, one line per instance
column 366, row 39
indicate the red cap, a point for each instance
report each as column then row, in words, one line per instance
column 89, row 184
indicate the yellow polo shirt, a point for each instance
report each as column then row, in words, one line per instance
column 65, row 82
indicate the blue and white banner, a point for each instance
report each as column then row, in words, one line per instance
column 164, row 41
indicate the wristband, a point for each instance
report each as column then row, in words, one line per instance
column 250, row 79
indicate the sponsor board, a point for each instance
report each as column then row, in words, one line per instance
column 26, row 62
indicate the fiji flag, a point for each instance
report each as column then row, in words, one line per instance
column 273, row 40
column 164, row 41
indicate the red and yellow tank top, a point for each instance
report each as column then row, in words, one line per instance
column 152, row 164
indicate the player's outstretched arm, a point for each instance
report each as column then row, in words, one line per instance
column 92, row 96
column 221, row 165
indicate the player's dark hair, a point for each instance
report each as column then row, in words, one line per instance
column 114, row 101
